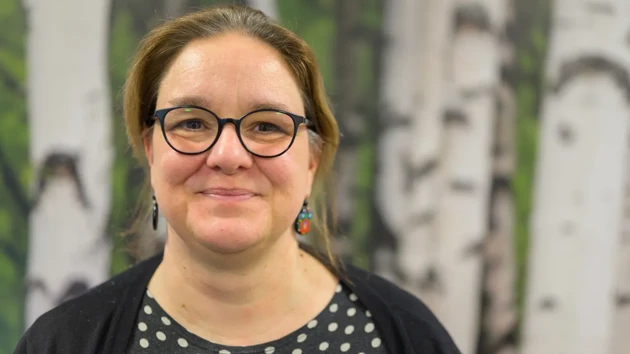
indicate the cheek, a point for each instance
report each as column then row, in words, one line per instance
column 288, row 172
column 171, row 168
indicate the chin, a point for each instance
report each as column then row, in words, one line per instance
column 228, row 236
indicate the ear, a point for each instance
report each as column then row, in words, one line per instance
column 148, row 147
column 313, row 164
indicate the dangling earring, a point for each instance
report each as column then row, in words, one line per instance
column 155, row 213
column 303, row 221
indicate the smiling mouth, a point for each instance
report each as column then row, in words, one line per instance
column 229, row 195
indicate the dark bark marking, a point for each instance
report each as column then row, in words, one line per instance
column 589, row 63
column 75, row 288
column 426, row 168
column 430, row 280
column 389, row 118
column 416, row 173
column 455, row 117
column 501, row 183
column 566, row 133
column 473, row 15
column 494, row 263
column 473, row 249
column 623, row 300
column 55, row 165
column 421, row 218
column 463, row 186
column 32, row 284
column 547, row 303
column 508, row 339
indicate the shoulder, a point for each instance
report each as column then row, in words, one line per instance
column 409, row 313
column 91, row 314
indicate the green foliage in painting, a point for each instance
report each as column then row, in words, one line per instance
column 531, row 42
column 314, row 22
column 14, row 173
column 124, row 39
column 368, row 66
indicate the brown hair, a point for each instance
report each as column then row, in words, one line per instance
column 161, row 45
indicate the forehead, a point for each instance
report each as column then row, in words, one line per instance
column 230, row 69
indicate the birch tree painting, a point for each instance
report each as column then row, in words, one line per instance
column 465, row 165
column 400, row 54
column 577, row 215
column 484, row 165
column 417, row 239
column 70, row 123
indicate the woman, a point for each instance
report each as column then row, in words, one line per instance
column 228, row 111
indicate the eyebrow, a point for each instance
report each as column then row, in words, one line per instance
column 200, row 101
column 190, row 101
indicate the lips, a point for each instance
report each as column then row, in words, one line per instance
column 229, row 194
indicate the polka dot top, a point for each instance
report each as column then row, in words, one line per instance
column 345, row 326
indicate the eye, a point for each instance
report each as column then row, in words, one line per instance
column 267, row 127
column 192, row 124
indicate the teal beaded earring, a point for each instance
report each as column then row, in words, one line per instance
column 303, row 221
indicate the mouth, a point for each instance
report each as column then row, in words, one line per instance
column 229, row 194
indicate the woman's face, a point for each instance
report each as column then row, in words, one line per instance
column 227, row 199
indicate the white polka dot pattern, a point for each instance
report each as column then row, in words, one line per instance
column 182, row 342
column 344, row 326
column 312, row 324
column 332, row 327
column 160, row 335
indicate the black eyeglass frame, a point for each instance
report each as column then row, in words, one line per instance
column 160, row 114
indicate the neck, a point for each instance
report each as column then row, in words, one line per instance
column 226, row 298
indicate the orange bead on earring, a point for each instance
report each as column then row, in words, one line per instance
column 303, row 221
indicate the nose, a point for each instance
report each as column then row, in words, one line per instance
column 228, row 154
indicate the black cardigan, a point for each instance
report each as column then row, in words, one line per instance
column 102, row 320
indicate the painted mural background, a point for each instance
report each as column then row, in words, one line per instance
column 483, row 163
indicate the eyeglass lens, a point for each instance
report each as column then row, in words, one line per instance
column 192, row 130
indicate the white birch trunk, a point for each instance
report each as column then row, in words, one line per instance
column 398, row 93
column 269, row 7
column 499, row 316
column 621, row 324
column 577, row 212
column 70, row 147
column 466, row 165
column 417, row 241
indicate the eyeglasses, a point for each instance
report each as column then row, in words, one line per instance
column 193, row 130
